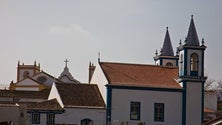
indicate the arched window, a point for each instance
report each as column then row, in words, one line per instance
column 25, row 74
column 169, row 64
column 194, row 64
column 86, row 122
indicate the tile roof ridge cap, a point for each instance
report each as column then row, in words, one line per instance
column 128, row 63
column 63, row 83
column 139, row 64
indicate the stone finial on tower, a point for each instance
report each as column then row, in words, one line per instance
column 91, row 70
column 156, row 53
column 18, row 63
column 98, row 56
column 202, row 42
column 180, row 43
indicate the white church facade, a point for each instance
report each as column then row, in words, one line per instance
column 171, row 92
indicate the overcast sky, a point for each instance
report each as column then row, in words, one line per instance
column 49, row 31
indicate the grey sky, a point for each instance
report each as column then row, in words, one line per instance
column 49, row 31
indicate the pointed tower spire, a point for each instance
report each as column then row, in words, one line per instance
column 167, row 49
column 192, row 37
column 166, row 56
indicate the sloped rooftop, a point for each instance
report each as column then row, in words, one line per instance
column 45, row 105
column 25, row 94
column 140, row 75
column 80, row 95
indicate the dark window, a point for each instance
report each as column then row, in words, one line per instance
column 135, row 111
column 22, row 115
column 35, row 118
column 86, row 122
column 159, row 112
column 42, row 79
column 169, row 64
column 50, row 118
column 25, row 74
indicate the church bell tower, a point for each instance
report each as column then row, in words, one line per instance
column 24, row 71
column 191, row 77
column 166, row 56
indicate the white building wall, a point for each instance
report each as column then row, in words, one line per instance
column 165, row 61
column 28, row 82
column 75, row 115
column 43, row 117
column 193, row 103
column 121, row 99
column 100, row 79
column 10, row 113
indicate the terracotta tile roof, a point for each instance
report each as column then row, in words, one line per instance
column 45, row 105
column 80, row 95
column 25, row 94
column 140, row 75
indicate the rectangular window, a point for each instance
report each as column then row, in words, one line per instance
column 135, row 111
column 159, row 112
column 50, row 118
column 35, row 118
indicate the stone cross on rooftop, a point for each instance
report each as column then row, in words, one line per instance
column 66, row 61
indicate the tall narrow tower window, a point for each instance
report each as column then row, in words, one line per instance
column 194, row 64
column 181, row 64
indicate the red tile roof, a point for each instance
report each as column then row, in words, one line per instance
column 140, row 75
column 45, row 105
column 80, row 95
column 25, row 94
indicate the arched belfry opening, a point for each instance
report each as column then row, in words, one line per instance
column 194, row 64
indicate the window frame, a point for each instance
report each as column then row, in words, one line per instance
column 159, row 111
column 135, row 105
column 50, row 120
column 36, row 120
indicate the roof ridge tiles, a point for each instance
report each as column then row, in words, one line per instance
column 139, row 64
